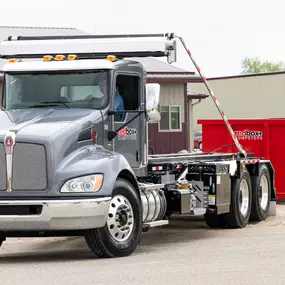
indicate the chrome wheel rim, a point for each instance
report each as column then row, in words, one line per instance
column 263, row 194
column 120, row 220
column 243, row 198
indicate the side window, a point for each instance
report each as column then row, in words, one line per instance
column 127, row 94
column 170, row 118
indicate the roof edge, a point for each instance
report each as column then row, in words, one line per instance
column 172, row 72
column 246, row 75
column 196, row 95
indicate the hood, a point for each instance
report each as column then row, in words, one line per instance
column 43, row 122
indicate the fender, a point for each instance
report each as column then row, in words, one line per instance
column 91, row 160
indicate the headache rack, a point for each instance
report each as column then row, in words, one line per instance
column 91, row 46
column 100, row 46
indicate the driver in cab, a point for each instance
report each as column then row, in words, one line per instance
column 118, row 100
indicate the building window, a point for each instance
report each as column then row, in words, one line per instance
column 170, row 118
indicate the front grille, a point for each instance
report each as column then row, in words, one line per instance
column 29, row 167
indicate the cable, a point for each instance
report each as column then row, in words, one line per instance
column 221, row 148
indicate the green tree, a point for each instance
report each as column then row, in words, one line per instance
column 255, row 65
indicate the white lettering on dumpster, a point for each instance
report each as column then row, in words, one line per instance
column 249, row 135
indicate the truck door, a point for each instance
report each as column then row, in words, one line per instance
column 130, row 139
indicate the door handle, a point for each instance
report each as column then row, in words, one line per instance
column 137, row 155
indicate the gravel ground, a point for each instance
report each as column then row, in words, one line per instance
column 186, row 252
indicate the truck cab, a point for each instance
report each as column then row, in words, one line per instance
column 65, row 146
column 54, row 108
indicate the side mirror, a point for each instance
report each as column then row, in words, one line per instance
column 152, row 101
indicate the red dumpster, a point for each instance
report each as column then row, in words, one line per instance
column 262, row 137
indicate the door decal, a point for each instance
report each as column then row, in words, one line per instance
column 127, row 134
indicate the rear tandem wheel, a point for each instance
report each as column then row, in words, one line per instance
column 240, row 208
column 261, row 194
column 241, row 201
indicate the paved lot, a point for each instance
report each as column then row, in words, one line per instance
column 184, row 253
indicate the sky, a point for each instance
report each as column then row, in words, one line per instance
column 219, row 33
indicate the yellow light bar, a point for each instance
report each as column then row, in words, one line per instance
column 111, row 57
column 59, row 57
column 47, row 58
column 12, row 60
column 71, row 56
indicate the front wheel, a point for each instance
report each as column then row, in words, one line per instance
column 121, row 234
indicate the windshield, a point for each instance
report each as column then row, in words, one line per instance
column 80, row 89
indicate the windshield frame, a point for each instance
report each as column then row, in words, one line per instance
column 55, row 72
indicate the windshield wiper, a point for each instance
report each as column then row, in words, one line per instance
column 46, row 103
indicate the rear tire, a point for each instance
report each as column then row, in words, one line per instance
column 261, row 194
column 121, row 234
column 215, row 221
column 241, row 201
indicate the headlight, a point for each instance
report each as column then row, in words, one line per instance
column 90, row 183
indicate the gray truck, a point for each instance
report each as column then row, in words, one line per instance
column 72, row 164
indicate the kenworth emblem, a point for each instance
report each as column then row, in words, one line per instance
column 9, row 144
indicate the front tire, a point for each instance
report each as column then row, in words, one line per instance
column 121, row 234
column 241, row 201
column 261, row 195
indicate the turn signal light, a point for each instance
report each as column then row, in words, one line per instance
column 59, row 57
column 111, row 57
column 47, row 58
column 71, row 56
column 12, row 60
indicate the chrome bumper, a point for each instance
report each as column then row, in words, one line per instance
column 76, row 214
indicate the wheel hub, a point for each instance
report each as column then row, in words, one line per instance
column 120, row 220
column 264, row 188
column 123, row 217
column 244, row 198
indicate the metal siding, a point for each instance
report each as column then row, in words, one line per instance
column 243, row 97
column 173, row 94
column 166, row 142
